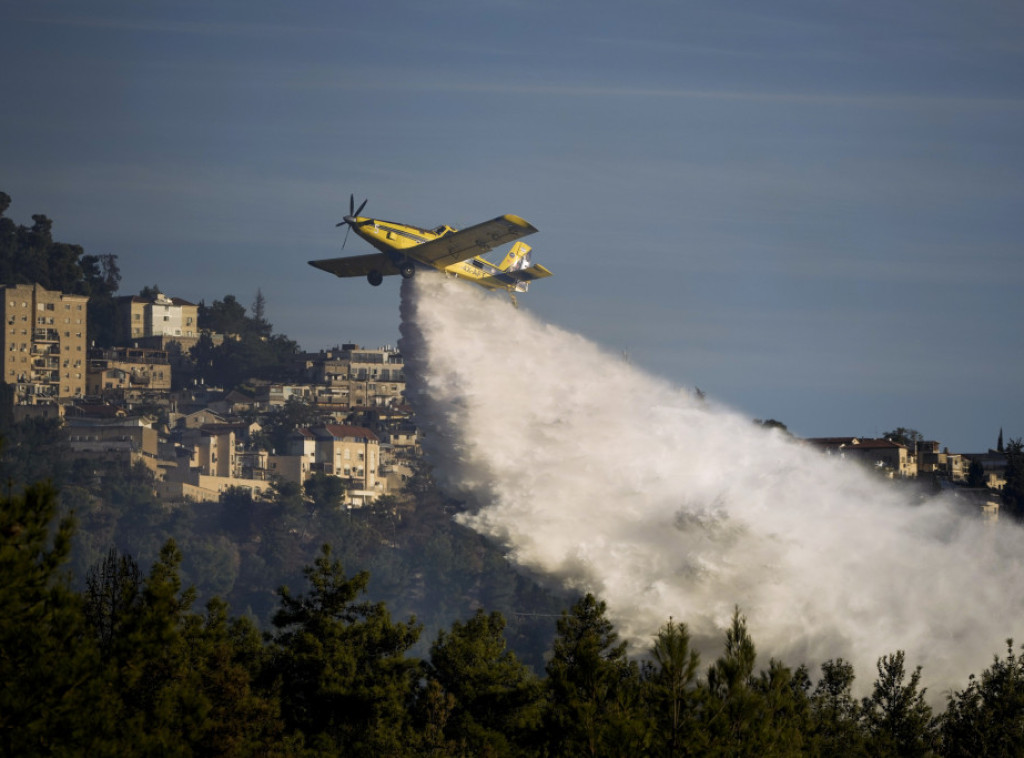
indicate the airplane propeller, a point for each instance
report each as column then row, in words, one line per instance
column 350, row 219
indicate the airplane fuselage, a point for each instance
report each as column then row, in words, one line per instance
column 402, row 248
column 393, row 239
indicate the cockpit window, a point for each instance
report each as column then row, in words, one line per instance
column 442, row 230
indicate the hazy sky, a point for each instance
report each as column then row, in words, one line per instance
column 811, row 210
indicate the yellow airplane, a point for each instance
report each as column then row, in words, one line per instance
column 457, row 253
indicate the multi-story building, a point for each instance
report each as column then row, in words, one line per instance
column 43, row 343
column 932, row 460
column 351, row 453
column 120, row 370
column 355, row 376
column 888, row 457
column 129, row 440
column 160, row 317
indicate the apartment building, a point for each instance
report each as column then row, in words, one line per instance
column 116, row 371
column 353, row 376
column 43, row 343
column 888, row 457
column 161, row 317
column 129, row 440
column 351, row 453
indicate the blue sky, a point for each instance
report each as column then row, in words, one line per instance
column 811, row 210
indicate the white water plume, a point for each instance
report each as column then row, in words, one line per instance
column 608, row 480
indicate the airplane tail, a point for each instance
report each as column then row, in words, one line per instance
column 517, row 259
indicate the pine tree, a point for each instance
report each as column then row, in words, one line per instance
column 835, row 713
column 897, row 717
column 734, row 711
column 670, row 691
column 593, row 689
column 496, row 700
column 987, row 717
column 346, row 683
column 51, row 698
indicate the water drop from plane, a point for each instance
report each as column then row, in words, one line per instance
column 606, row 479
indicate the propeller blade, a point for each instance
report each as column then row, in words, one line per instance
column 360, row 209
column 346, row 236
column 351, row 204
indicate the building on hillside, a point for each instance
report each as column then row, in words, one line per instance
column 932, row 460
column 886, row 456
column 993, row 464
column 352, row 376
column 127, row 373
column 165, row 318
column 276, row 394
column 351, row 453
column 43, row 344
column 213, row 450
column 126, row 439
column 196, row 419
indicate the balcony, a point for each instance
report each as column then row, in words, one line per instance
column 46, row 335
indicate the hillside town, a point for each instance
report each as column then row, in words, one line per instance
column 138, row 402
column 141, row 402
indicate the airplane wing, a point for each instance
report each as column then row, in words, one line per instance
column 474, row 240
column 356, row 265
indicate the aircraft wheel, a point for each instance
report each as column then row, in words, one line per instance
column 375, row 278
column 407, row 270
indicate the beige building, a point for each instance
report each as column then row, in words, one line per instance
column 932, row 460
column 887, row 457
column 170, row 318
column 351, row 453
column 121, row 369
column 43, row 344
column 352, row 376
column 129, row 440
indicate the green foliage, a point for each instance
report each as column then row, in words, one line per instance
column 671, row 692
column 897, row 719
column 494, row 701
column 773, row 424
column 128, row 668
column 903, row 436
column 593, row 688
column 987, row 717
column 113, row 590
column 734, row 708
column 744, row 714
column 46, row 658
column 835, row 713
column 346, row 683
column 29, row 255
column 976, row 474
column 1013, row 490
column 33, row 450
column 326, row 491
column 284, row 420
column 249, row 350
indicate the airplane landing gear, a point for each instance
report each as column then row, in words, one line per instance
column 407, row 270
column 375, row 278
